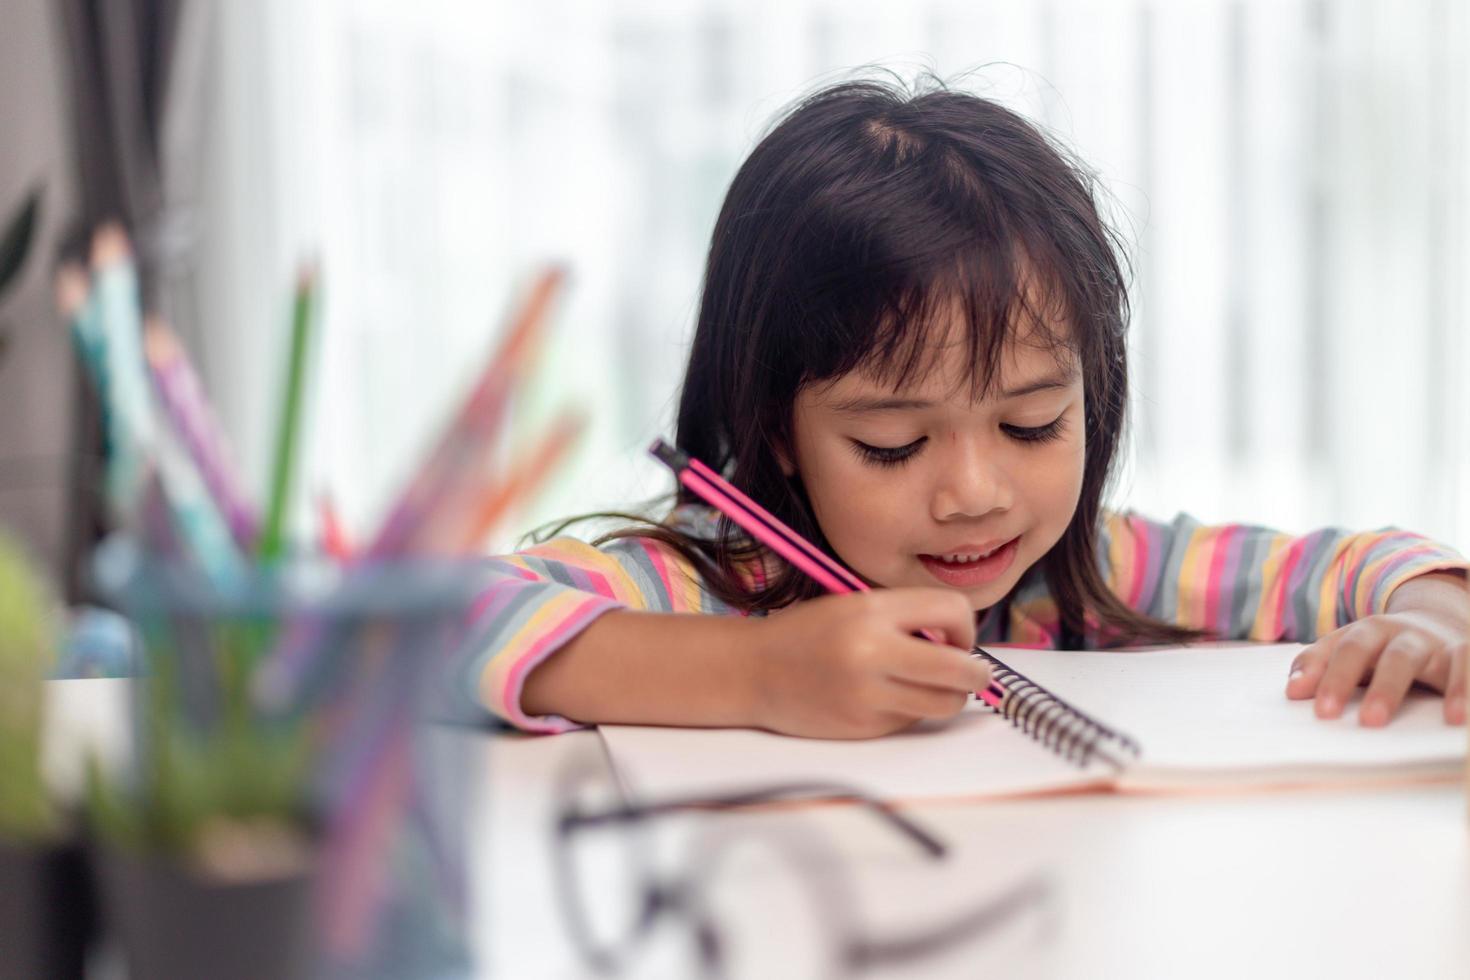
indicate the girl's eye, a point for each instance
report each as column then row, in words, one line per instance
column 1036, row 434
column 887, row 455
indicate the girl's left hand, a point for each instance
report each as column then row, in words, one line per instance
column 1421, row 638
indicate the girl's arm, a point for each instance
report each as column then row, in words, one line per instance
column 1382, row 596
column 650, row 668
column 836, row 667
column 571, row 634
column 1240, row 582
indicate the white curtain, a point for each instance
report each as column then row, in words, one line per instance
column 1292, row 175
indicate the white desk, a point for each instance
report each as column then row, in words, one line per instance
column 1303, row 884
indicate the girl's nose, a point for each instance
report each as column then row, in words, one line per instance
column 970, row 485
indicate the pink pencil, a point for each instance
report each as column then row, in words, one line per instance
column 453, row 468
column 187, row 409
column 767, row 529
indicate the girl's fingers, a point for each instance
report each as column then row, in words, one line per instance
column 1435, row 670
column 947, row 614
column 938, row 666
column 1306, row 669
column 1351, row 660
column 1331, row 668
column 920, row 701
column 1398, row 666
column 1454, row 692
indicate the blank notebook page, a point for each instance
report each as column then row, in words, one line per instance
column 1220, row 713
column 1206, row 716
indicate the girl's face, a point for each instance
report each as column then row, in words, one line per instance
column 925, row 487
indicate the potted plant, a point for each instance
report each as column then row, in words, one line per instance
column 205, row 851
column 276, row 834
column 45, row 901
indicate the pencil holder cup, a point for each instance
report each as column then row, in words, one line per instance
column 283, row 764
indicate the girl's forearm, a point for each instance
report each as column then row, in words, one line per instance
column 651, row 669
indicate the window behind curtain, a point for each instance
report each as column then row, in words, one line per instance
column 1291, row 174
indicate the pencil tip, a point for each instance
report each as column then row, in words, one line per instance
column 72, row 287
column 110, row 245
column 159, row 342
column 306, row 275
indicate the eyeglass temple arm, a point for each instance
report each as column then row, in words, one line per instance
column 995, row 913
column 807, row 792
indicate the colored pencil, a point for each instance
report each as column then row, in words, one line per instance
column 272, row 537
column 187, row 409
column 75, row 302
column 466, row 439
column 525, row 478
column 334, row 535
column 120, row 327
column 458, row 460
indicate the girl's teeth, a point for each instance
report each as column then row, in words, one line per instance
column 965, row 559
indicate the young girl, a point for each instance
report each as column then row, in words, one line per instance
column 910, row 348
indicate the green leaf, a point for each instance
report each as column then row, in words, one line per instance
column 27, row 645
column 17, row 241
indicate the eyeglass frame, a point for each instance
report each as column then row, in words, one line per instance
column 679, row 895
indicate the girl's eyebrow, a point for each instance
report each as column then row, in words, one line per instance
column 856, row 406
column 1049, row 383
column 893, row 403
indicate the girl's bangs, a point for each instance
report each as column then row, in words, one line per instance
column 988, row 296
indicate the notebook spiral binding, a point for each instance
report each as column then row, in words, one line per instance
column 1066, row 730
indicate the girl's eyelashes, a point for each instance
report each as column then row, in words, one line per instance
column 897, row 455
column 1036, row 434
column 887, row 455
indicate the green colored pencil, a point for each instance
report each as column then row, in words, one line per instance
column 272, row 537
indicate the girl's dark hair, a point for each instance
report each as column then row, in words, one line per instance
column 858, row 222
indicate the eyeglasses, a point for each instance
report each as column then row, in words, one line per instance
column 613, row 899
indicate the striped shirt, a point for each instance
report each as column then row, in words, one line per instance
column 1233, row 581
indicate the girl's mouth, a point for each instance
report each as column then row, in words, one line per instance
column 959, row 570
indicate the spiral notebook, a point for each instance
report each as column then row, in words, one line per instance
column 1204, row 718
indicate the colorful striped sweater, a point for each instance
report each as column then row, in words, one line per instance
column 1234, row 581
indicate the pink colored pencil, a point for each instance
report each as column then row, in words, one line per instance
column 355, row 874
column 457, row 463
column 334, row 537
column 188, row 411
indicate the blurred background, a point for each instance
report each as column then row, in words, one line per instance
column 1292, row 176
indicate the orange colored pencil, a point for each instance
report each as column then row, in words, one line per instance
column 468, row 442
column 526, row 477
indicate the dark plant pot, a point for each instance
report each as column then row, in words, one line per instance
column 178, row 924
column 46, row 912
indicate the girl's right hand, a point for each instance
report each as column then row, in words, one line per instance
column 850, row 666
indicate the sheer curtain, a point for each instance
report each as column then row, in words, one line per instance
column 1292, row 175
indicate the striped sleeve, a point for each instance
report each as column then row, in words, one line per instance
column 541, row 598
column 1236, row 581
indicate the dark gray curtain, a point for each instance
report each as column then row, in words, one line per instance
column 122, row 56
